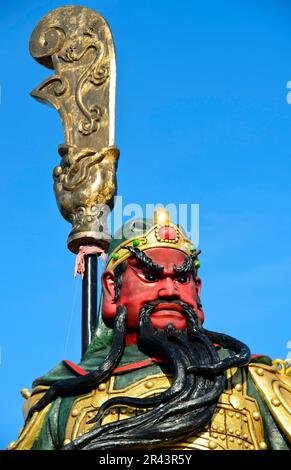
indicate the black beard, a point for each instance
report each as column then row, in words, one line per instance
column 183, row 409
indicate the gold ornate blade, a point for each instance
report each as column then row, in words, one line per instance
column 77, row 43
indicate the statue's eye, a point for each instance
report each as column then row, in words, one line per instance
column 182, row 279
column 149, row 277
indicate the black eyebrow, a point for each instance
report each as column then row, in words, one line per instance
column 144, row 259
column 188, row 265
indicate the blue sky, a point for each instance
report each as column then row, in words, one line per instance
column 201, row 117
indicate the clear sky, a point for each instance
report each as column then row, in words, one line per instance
column 202, row 117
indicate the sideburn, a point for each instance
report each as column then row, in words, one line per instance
column 119, row 272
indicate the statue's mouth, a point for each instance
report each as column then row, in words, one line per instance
column 165, row 313
column 169, row 306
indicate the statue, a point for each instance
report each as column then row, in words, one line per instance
column 153, row 377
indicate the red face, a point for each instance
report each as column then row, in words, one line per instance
column 139, row 287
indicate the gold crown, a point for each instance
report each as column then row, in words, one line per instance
column 163, row 233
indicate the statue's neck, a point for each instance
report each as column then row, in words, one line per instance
column 131, row 338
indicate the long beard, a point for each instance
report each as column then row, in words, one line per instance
column 198, row 379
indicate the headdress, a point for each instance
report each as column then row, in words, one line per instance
column 160, row 233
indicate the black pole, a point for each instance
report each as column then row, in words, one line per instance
column 89, row 301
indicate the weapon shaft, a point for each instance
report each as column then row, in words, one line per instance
column 89, row 301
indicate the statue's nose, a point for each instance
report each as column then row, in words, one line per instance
column 168, row 288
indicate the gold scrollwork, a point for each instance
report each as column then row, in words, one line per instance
column 97, row 73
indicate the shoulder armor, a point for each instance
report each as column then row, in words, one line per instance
column 32, row 398
column 274, row 384
column 30, row 430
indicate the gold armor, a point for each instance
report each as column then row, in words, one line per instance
column 274, row 383
column 232, row 427
column 236, row 424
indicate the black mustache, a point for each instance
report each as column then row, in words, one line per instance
column 191, row 399
column 168, row 420
column 164, row 300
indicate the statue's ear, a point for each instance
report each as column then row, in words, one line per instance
column 108, row 290
column 198, row 285
column 199, row 305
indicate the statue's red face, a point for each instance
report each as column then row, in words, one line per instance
column 139, row 287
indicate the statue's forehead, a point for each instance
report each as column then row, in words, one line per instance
column 166, row 257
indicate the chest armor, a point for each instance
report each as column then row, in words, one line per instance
column 236, row 423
